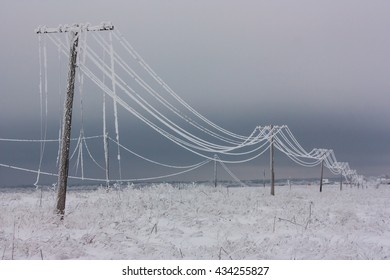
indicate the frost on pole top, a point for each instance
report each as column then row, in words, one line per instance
column 74, row 28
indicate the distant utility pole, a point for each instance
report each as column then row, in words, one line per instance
column 322, row 169
column 322, row 174
column 272, row 162
column 341, row 181
column 264, row 179
column 63, row 171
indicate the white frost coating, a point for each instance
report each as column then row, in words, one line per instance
column 78, row 159
column 43, row 120
column 81, row 58
column 41, row 102
column 59, row 147
column 105, row 143
column 151, row 124
column 284, row 140
column 90, row 155
column 46, row 140
column 137, row 98
column 104, row 180
column 76, row 148
column 156, row 95
column 132, row 51
column 60, row 107
column 164, row 133
column 82, row 159
column 153, row 161
column 345, row 225
column 235, row 178
column 73, row 28
column 113, row 80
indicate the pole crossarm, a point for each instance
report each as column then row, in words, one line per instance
column 104, row 26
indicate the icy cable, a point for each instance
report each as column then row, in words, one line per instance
column 113, row 80
column 126, row 89
column 174, row 139
column 303, row 153
column 91, row 156
column 43, row 118
column 146, row 122
column 60, row 108
column 173, row 126
column 41, row 99
column 231, row 147
column 81, row 58
column 141, row 61
column 235, row 178
column 104, row 180
column 105, row 140
column 150, row 160
column 133, row 94
column 46, row 140
column 125, row 66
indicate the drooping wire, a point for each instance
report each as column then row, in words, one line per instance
column 284, row 139
column 125, row 66
column 163, row 119
column 113, row 80
column 45, row 97
column 158, row 79
column 105, row 140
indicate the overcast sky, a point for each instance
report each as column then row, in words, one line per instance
column 321, row 67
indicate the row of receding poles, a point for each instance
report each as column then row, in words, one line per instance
column 272, row 167
column 67, row 123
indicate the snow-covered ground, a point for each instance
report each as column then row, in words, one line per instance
column 199, row 222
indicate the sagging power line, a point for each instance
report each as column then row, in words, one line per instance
column 158, row 107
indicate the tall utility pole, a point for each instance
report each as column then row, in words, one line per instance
column 63, row 170
column 67, row 126
column 272, row 162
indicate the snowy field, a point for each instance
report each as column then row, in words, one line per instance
column 199, row 222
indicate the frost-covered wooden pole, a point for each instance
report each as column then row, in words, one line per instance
column 322, row 174
column 63, row 171
column 272, row 162
column 67, row 124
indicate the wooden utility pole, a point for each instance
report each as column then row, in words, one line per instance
column 215, row 170
column 272, row 163
column 322, row 174
column 341, row 181
column 63, row 171
column 67, row 125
